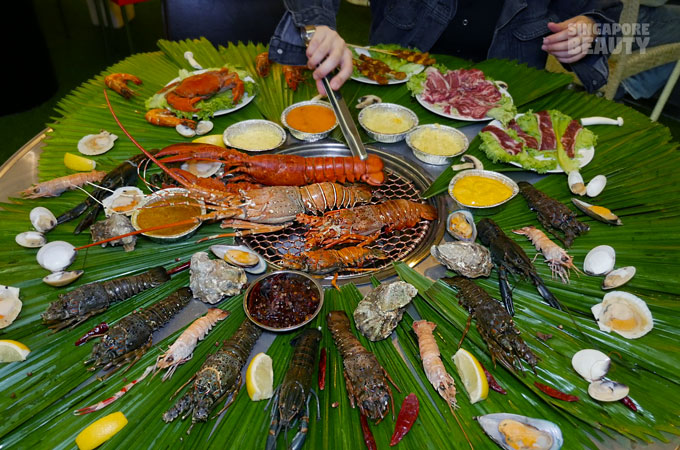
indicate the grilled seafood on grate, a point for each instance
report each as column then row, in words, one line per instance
column 365, row 378
column 83, row 302
column 494, row 325
column 291, row 398
column 322, row 261
column 557, row 258
column 552, row 214
column 218, row 377
column 509, row 257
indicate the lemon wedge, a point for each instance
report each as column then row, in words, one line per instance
column 100, row 431
column 11, row 351
column 75, row 162
column 472, row 375
column 214, row 139
column 260, row 377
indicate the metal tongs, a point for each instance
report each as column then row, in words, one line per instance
column 347, row 125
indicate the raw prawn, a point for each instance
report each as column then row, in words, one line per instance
column 557, row 258
column 432, row 362
column 56, row 186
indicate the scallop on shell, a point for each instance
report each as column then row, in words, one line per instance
column 600, row 260
column 607, row 390
column 597, row 212
column 461, row 225
column 31, row 239
column 596, row 186
column 202, row 169
column 59, row 279
column 624, row 313
column 512, row 432
column 10, row 305
column 56, row 256
column 123, row 200
column 96, row 144
column 468, row 259
column 618, row 277
column 591, row 364
column 241, row 256
column 42, row 219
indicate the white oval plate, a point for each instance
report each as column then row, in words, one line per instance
column 389, row 81
column 440, row 111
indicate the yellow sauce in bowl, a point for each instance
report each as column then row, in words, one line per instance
column 256, row 138
column 475, row 190
column 386, row 122
column 438, row 142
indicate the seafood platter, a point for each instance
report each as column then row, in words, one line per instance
column 214, row 271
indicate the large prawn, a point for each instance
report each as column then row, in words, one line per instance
column 559, row 261
column 432, row 362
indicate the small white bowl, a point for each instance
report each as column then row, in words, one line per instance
column 302, row 135
column 254, row 126
column 429, row 158
column 393, row 108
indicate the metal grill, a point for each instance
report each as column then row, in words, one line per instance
column 404, row 181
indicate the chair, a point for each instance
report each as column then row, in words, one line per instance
column 625, row 64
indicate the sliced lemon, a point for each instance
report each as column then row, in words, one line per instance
column 11, row 351
column 260, row 377
column 75, row 162
column 100, row 431
column 472, row 375
column 214, row 139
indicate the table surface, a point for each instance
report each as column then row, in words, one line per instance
column 21, row 171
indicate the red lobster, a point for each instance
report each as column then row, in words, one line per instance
column 321, row 262
column 281, row 170
column 184, row 94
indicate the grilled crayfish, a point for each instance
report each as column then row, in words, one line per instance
column 184, row 94
column 325, row 261
column 118, row 82
column 291, row 398
column 494, row 325
column 292, row 74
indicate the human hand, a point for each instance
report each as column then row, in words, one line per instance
column 327, row 50
column 571, row 39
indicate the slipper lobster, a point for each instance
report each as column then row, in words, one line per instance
column 184, row 94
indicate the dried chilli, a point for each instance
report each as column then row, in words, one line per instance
column 555, row 393
column 493, row 384
column 406, row 418
column 94, row 332
column 629, row 403
column 322, row 370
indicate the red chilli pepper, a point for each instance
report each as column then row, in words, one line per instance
column 406, row 418
column 322, row 370
column 493, row 384
column 368, row 436
column 554, row 393
column 629, row 403
column 99, row 329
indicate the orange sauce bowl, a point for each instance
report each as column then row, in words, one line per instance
column 168, row 206
column 310, row 120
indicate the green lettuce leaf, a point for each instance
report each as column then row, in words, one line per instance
column 505, row 111
column 526, row 159
column 416, row 83
column 585, row 139
column 529, row 124
column 560, row 122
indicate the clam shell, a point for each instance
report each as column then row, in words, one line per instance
column 600, row 260
column 59, row 279
column 624, row 313
column 576, row 184
column 30, row 239
column 469, row 234
column 10, row 305
column 202, row 169
column 204, row 127
column 548, row 435
column 123, row 200
column 587, row 208
column 596, row 186
column 618, row 277
column 185, row 130
column 591, row 364
column 56, row 256
column 96, row 144
column 221, row 252
column 607, row 390
column 42, row 219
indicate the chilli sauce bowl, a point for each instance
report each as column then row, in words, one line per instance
column 285, row 290
column 308, row 135
column 166, row 198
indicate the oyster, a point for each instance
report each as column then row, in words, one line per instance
column 202, row 169
column 123, row 200
column 10, row 305
column 623, row 313
column 468, row 259
column 59, row 279
column 31, row 239
column 597, row 212
column 618, row 277
column 461, row 225
column 576, row 185
column 213, row 279
column 96, row 144
column 591, row 364
column 596, row 186
column 115, row 225
column 607, row 390
column 514, row 432
column 56, row 256
column 42, row 219
column 204, row 127
column 379, row 313
column 242, row 256
column 600, row 260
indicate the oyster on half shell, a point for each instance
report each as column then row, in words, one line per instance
column 379, row 313
column 116, row 225
column 515, row 432
column 468, row 259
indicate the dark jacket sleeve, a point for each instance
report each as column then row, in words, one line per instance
column 286, row 46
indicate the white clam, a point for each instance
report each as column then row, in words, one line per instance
column 42, row 219
column 234, row 254
column 185, row 130
column 59, row 279
column 607, row 390
column 618, row 277
column 202, row 169
column 576, row 184
column 624, row 313
column 591, row 364
column 10, row 305
column 596, row 186
column 123, row 200
column 96, row 144
column 30, row 239
column 204, row 127
column 600, row 260
column 56, row 256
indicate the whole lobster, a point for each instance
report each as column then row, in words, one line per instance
column 291, row 398
column 508, row 256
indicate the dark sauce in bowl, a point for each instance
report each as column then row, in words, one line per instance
column 283, row 300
